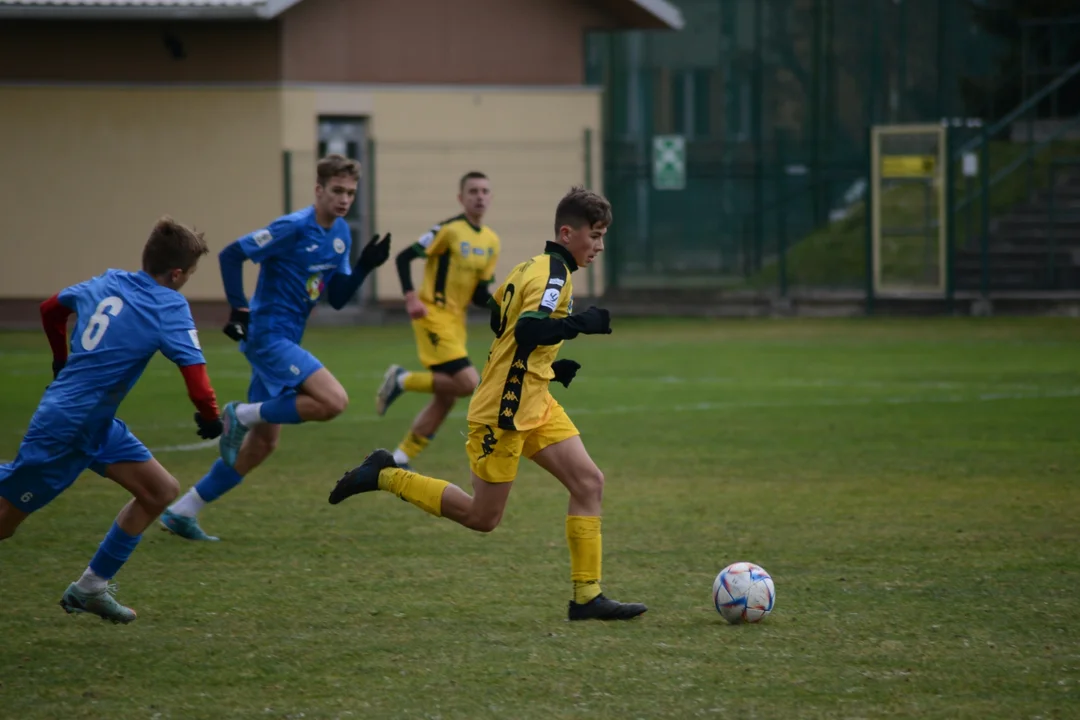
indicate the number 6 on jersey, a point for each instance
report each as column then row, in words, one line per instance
column 99, row 321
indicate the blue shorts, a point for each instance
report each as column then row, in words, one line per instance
column 46, row 467
column 277, row 366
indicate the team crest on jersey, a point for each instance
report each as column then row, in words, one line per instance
column 465, row 247
column 570, row 306
column 262, row 237
column 315, row 286
column 339, row 246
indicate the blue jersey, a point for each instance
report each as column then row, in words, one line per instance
column 123, row 318
column 298, row 258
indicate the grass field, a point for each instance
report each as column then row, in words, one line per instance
column 912, row 486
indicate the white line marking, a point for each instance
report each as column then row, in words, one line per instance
column 662, row 380
column 734, row 405
column 705, row 407
column 187, row 447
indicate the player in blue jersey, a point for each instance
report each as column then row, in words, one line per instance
column 301, row 255
column 122, row 319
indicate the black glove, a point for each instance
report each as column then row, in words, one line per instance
column 57, row 366
column 565, row 371
column 208, row 429
column 594, row 321
column 237, row 327
column 375, row 253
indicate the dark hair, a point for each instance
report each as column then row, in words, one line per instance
column 334, row 165
column 172, row 246
column 582, row 207
column 471, row 175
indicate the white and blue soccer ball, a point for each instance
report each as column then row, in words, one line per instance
column 743, row 593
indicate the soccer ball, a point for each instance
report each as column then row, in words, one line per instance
column 743, row 592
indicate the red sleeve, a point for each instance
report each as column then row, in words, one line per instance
column 54, row 316
column 200, row 391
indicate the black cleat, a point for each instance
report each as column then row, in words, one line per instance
column 363, row 478
column 602, row 608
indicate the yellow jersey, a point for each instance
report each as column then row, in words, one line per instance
column 513, row 391
column 460, row 255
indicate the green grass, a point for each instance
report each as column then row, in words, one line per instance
column 835, row 255
column 911, row 485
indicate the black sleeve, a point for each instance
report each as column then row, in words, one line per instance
column 402, row 261
column 536, row 331
column 342, row 287
column 481, row 294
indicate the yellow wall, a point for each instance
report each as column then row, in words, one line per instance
column 94, row 167
column 529, row 142
column 86, row 172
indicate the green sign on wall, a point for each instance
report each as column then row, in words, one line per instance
column 669, row 162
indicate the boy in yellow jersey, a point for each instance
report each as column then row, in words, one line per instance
column 513, row 414
column 461, row 254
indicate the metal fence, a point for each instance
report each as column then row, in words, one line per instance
column 737, row 150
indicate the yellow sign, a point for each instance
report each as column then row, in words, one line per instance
column 895, row 166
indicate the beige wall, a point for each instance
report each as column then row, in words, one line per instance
column 87, row 171
column 530, row 143
column 94, row 167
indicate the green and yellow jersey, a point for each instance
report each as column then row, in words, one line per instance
column 513, row 392
column 460, row 256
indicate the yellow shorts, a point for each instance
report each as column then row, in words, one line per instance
column 494, row 453
column 440, row 338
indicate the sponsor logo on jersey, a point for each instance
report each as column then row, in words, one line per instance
column 315, row 287
column 551, row 299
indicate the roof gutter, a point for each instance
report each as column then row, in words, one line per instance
column 265, row 10
column 129, row 12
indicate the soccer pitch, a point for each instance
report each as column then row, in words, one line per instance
column 913, row 487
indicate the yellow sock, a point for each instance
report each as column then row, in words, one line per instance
column 419, row 382
column 583, row 537
column 423, row 492
column 413, row 444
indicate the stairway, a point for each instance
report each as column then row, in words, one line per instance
column 1028, row 252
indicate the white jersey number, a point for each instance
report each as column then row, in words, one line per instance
column 99, row 321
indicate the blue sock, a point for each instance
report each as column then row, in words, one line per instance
column 113, row 552
column 281, row 410
column 220, row 480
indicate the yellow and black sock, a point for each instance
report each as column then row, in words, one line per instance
column 583, row 537
column 423, row 492
column 423, row 382
column 413, row 444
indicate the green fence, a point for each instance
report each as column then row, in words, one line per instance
column 737, row 150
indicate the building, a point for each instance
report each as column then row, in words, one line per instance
column 214, row 111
